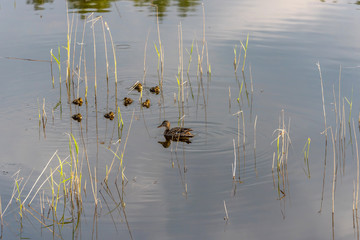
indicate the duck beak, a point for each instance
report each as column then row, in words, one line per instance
column 160, row 126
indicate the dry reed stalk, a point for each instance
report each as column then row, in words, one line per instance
column 238, row 138
column 226, row 212
column 68, row 42
column 251, row 81
column 2, row 220
column 339, row 106
column 336, row 123
column 51, row 71
column 92, row 181
column 334, row 172
column 74, row 48
column 38, row 178
column 44, row 117
column 244, row 135
column 115, row 62
column 255, row 142
column 81, row 50
column 106, row 56
column 181, row 63
column 357, row 168
column 353, row 205
column 322, row 96
column 203, row 40
column 145, row 50
column 85, row 78
column 233, row 165
column 93, row 21
column 121, row 167
column 229, row 99
column 161, row 50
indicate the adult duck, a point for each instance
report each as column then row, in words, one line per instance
column 176, row 133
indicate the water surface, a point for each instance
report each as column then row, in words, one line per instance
column 178, row 192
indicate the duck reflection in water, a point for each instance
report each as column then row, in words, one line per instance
column 168, row 141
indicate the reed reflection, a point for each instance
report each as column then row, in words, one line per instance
column 38, row 4
column 183, row 7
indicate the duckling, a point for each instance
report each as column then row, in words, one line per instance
column 146, row 103
column 77, row 117
column 109, row 115
column 138, row 86
column 78, row 101
column 155, row 90
column 176, row 133
column 127, row 101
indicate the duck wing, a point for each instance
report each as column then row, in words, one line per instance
column 181, row 130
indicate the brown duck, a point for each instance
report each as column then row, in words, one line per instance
column 138, row 86
column 77, row 117
column 127, row 101
column 79, row 101
column 109, row 115
column 146, row 103
column 176, row 133
column 155, row 89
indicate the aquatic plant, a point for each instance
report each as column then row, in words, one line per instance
column 281, row 155
column 233, row 165
column 245, row 50
column 58, row 61
column 306, row 150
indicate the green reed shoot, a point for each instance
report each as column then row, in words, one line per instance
column 159, row 57
column 179, row 87
column 120, row 119
column 306, row 150
column 58, row 61
column 190, row 56
column 245, row 50
column 63, row 180
column 39, row 112
column 19, row 198
column 120, row 123
column 236, row 58
column 52, row 191
column 240, row 91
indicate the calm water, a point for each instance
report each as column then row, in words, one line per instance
column 286, row 40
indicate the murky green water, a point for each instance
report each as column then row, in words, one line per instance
column 178, row 192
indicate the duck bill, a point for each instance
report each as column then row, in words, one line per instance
column 160, row 126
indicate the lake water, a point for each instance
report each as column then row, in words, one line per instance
column 177, row 191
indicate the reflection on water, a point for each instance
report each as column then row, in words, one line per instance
column 168, row 141
column 38, row 3
column 183, row 7
column 85, row 6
